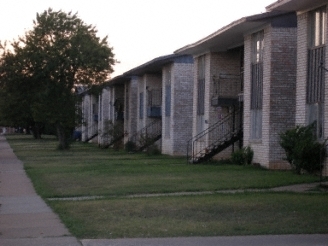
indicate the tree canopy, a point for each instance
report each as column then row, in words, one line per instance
column 39, row 72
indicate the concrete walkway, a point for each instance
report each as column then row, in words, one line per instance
column 271, row 240
column 26, row 220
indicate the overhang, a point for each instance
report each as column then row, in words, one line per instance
column 295, row 5
column 118, row 80
column 156, row 65
column 232, row 35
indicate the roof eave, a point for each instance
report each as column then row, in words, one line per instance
column 295, row 5
column 155, row 66
column 229, row 36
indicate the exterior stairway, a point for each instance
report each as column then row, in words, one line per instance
column 147, row 135
column 92, row 132
column 215, row 139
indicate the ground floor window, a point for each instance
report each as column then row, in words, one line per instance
column 256, row 124
column 141, row 105
column 315, row 116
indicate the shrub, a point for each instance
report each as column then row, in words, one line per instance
column 302, row 149
column 130, row 146
column 114, row 132
column 242, row 156
column 153, row 150
column 248, row 155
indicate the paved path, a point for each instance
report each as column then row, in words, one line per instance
column 26, row 220
column 285, row 240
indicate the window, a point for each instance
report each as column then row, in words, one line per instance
column 100, row 107
column 95, row 112
column 201, row 86
column 168, row 100
column 318, row 26
column 315, row 77
column 155, row 98
column 257, row 85
column 167, row 103
column 141, row 105
column 201, row 94
column 127, row 102
column 167, row 110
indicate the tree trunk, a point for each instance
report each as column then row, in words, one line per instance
column 63, row 138
column 36, row 130
column 28, row 130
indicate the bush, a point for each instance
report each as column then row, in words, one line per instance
column 243, row 156
column 302, row 149
column 153, row 150
column 130, row 146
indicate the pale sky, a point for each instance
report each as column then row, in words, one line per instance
column 138, row 30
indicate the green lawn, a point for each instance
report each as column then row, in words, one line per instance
column 86, row 170
column 206, row 215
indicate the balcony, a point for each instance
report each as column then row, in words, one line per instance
column 154, row 112
column 223, row 101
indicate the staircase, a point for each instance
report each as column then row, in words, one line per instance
column 215, row 139
column 112, row 140
column 92, row 132
column 147, row 135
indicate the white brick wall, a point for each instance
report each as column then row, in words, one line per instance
column 279, row 78
column 180, row 121
column 89, row 126
column 150, row 82
column 302, row 48
column 130, row 123
column 302, row 56
column 104, row 99
column 216, row 64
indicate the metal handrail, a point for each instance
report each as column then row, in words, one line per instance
column 221, row 131
column 94, row 132
column 149, row 132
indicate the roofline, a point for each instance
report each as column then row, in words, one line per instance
column 155, row 65
column 218, row 32
column 120, row 79
column 258, row 18
column 295, row 5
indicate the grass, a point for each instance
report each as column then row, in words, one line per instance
column 86, row 170
column 208, row 215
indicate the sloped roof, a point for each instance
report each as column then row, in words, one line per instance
column 155, row 66
column 295, row 5
column 232, row 35
column 120, row 79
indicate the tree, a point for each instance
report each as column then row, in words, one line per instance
column 60, row 52
column 14, row 101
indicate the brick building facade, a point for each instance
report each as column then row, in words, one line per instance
column 255, row 70
column 311, row 89
column 261, row 51
column 177, row 99
column 162, row 98
column 278, row 94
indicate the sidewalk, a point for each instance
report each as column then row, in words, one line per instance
column 26, row 220
column 270, row 240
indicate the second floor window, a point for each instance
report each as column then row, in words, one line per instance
column 257, row 71
column 316, row 76
column 201, row 86
column 257, row 84
column 318, row 22
column 141, row 105
column 168, row 100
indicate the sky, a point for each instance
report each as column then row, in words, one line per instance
column 138, row 30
